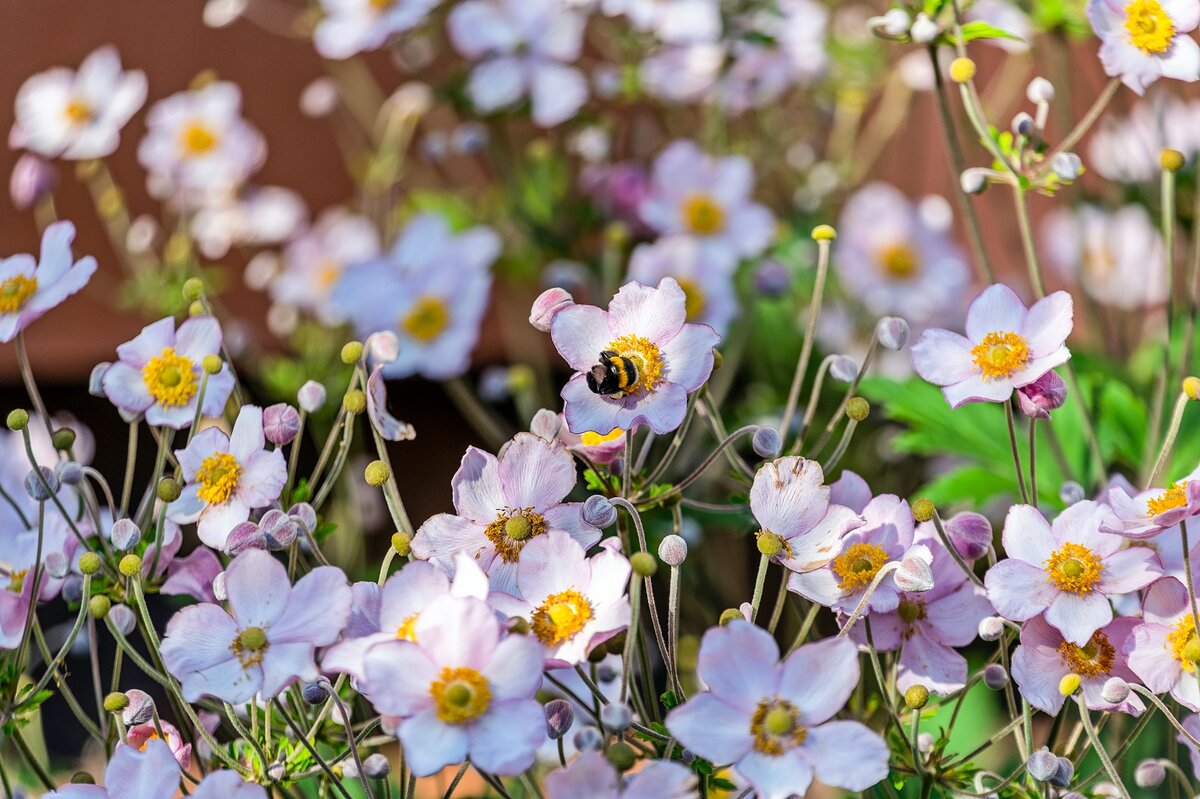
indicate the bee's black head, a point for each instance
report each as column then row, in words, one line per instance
column 597, row 379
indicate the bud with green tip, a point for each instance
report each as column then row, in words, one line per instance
column 90, row 563
column 621, row 755
column 63, row 439
column 730, row 615
column 116, row 702
column 644, row 564
column 193, row 289
column 351, row 352
column 82, row 778
column 18, row 419
column 354, row 402
column 168, row 489
column 98, row 606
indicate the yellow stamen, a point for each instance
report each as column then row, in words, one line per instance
column 776, row 727
column 407, row 630
column 858, row 565
column 898, row 261
column 1093, row 660
column 218, row 478
column 15, row 291
column 590, row 439
column 249, row 646
column 16, row 580
column 561, row 617
column 694, row 300
column 153, row 736
column 460, row 695
column 1175, row 496
column 1149, row 27
column 1184, row 644
column 170, row 378
column 703, row 215
column 1074, row 568
column 427, row 319
column 646, row 356
column 1000, row 355
column 512, row 529
column 197, row 139
column 78, row 112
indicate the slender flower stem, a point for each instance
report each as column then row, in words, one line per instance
column 1098, row 748
column 1189, row 580
column 832, row 424
column 810, row 410
column 1016, row 453
column 631, row 636
column 1031, row 259
column 810, row 335
column 130, row 462
column 805, row 627
column 759, row 581
column 345, row 711
column 696, row 473
column 1083, row 126
column 861, row 607
column 958, row 559
column 673, row 632
column 1164, row 452
column 842, row 446
column 31, row 388
column 1033, row 489
column 1148, row 694
column 312, row 750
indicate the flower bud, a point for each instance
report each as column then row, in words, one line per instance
column 82, row 778
column 892, row 333
column 730, row 615
column 402, row 543
column 354, row 402
column 69, row 473
column 913, row 576
column 1022, row 125
column 72, row 590
column 549, row 303
column 57, row 565
column 1067, row 166
column 96, row 379
column 311, row 396
column 125, row 535
column 1066, row 771
column 643, row 563
column 771, row 278
column 673, row 550
column 1149, row 774
column 621, row 755
column 1171, row 160
column 377, row 473
column 281, row 423
column 1040, row 91
column 769, row 543
column 1071, row 493
column 995, row 677
column 588, row 739
column 63, row 439
column 212, row 364
column 1115, row 691
column 924, row 30
column 18, row 419
column 31, row 180
column 844, row 368
column 382, row 347
column 122, row 618
column 89, row 563
column 314, row 692
column 767, row 442
column 1043, row 395
column 351, row 352
column 894, row 23
column 197, row 309
column 599, row 512
column 824, row 233
column 973, row 180
column 140, row 709
column 130, row 565
column 193, row 289
column 923, row 510
column 376, row 766
column 115, row 702
column 616, row 717
column 1191, row 387
column 560, row 715
column 970, row 534
column 991, row 628
column 99, row 606
column 858, row 409
column 962, row 69
column 916, row 697
column 43, row 487
column 1042, row 765
column 1069, row 684
column 276, row 772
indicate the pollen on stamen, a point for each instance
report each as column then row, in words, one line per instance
column 1000, row 355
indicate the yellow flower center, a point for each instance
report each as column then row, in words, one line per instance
column 590, row 439
column 15, row 291
column 170, row 378
column 153, row 736
column 218, row 478
column 1000, row 355
column 645, row 356
column 249, row 646
column 78, row 112
column 561, row 617
column 407, row 630
column 1150, row 29
column 858, row 565
column 16, row 581
column 460, row 695
column 1074, row 568
column 776, row 727
column 328, row 274
column 382, row 4
column 511, row 529
column 1175, row 496
column 694, row 299
column 898, row 261
column 427, row 319
column 911, row 610
column 1093, row 660
column 1184, row 644
column 702, row 214
column 197, row 139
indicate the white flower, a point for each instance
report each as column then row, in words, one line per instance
column 1144, row 40
column 80, row 114
column 672, row 21
column 683, row 74
column 352, row 26
column 313, row 262
column 1127, row 149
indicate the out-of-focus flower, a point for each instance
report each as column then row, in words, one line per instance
column 32, row 180
column 354, row 26
column 573, row 603
column 1127, row 149
column 501, row 504
column 1117, row 257
column 592, row 776
column 523, row 48
column 159, row 373
column 1144, row 40
column 198, row 146
column 644, row 327
column 1066, row 570
column 893, row 261
column 1006, row 16
column 132, row 773
column 672, row 21
column 771, row 719
column 227, row 476
column 1006, row 346
column 683, row 74
column 461, row 690
column 29, row 288
column 259, row 216
column 267, row 640
column 709, row 198
column 431, row 289
column 601, row 448
column 77, row 115
column 1160, row 651
column 706, row 278
column 139, row 737
column 314, row 260
column 19, row 559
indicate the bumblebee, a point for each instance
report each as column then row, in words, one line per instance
column 615, row 376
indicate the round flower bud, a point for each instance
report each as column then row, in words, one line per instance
column 970, row 534
column 1069, row 684
column 125, row 535
column 843, row 368
column 197, row 309
column 973, row 180
column 69, row 473
column 1115, row 691
column 924, row 30
column 588, row 739
column 281, row 423
column 1071, row 493
column 925, row 743
column 277, row 771
column 549, row 303
column 57, row 565
column 616, row 717
column 767, row 442
column 116, row 702
column 730, row 615
column 351, row 352
column 892, row 332
column 718, row 362
column 643, row 563
column 31, row 180
column 63, row 439
column 916, row 697
column 923, row 510
column 1022, row 124
column 122, row 619
column 82, row 778
column 1067, row 166
column 99, row 605
column 621, row 755
column 354, row 402
column 771, row 278
column 1040, row 91
column 130, row 565
column 769, row 543
column 1171, row 160
column 193, row 289
column 377, row 473
column 962, row 69
column 599, row 512
column 140, row 708
column 377, row 766
column 18, row 419
column 41, row 487
column 314, row 692
column 560, row 715
column 995, row 677
column 991, row 628
column 212, row 363
column 1066, row 771
column 824, row 233
column 1191, row 387
column 311, row 396
column 168, row 489
column 72, row 590
column 1149, row 774
column 1043, row 395
column 858, row 409
column 402, row 543
column 1042, row 765
column 913, row 576
column 89, row 563
column 673, row 550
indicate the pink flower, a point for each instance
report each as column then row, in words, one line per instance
column 1145, row 514
column 29, row 288
column 771, row 720
column 139, row 736
column 1045, row 657
column 1006, row 346
column 227, row 477
column 1144, row 40
column 572, row 603
column 1067, row 571
column 600, row 448
column 266, row 640
column 643, row 326
column 461, row 691
column 132, row 773
column 592, row 776
column 501, row 504
column 1159, row 650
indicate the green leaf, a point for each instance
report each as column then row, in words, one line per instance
column 983, row 30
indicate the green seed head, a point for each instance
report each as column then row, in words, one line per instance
column 351, row 352
column 916, row 697
column 18, row 419
column 354, row 402
column 923, row 510
column 169, row 489
column 89, row 563
column 130, row 565
column 377, row 473
column 116, row 702
column 644, row 564
column 193, row 289
column 98, row 606
column 63, row 438
column 402, row 543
